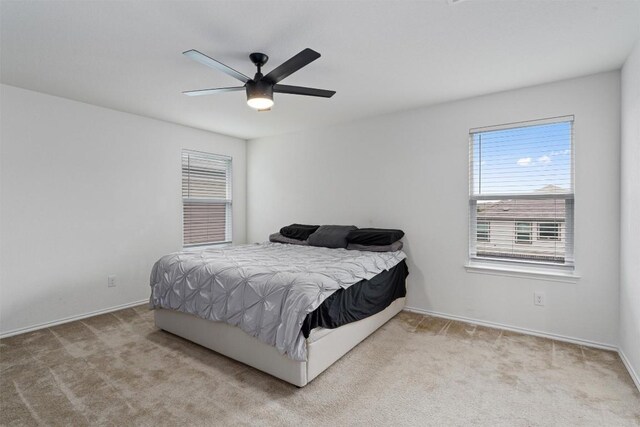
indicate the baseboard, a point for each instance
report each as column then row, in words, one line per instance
column 634, row 375
column 525, row 331
column 71, row 319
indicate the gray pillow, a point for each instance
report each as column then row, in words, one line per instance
column 331, row 236
column 395, row 246
column 279, row 238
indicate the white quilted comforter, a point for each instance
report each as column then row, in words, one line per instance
column 265, row 289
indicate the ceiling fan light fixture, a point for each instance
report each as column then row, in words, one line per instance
column 260, row 103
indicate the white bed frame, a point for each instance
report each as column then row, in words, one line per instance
column 324, row 346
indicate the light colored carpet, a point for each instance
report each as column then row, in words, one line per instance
column 118, row 369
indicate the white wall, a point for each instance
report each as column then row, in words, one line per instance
column 630, row 213
column 88, row 192
column 409, row 170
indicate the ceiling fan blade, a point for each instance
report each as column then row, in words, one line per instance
column 299, row 90
column 210, row 62
column 292, row 65
column 200, row 92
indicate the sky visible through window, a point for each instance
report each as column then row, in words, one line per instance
column 523, row 160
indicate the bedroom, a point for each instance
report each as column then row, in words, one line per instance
column 94, row 130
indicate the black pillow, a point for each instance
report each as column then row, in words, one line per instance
column 374, row 236
column 298, row 231
column 331, row 236
column 279, row 238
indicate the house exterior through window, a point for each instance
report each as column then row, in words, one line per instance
column 521, row 193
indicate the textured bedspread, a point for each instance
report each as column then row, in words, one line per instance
column 265, row 289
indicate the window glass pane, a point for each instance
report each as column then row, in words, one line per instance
column 204, row 175
column 524, row 160
column 510, row 238
column 204, row 223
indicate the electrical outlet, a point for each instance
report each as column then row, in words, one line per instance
column 538, row 298
column 111, row 281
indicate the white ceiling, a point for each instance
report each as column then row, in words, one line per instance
column 380, row 56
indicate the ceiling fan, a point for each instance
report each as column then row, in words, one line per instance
column 260, row 89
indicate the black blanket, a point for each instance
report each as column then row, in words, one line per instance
column 359, row 301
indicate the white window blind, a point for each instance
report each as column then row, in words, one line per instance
column 206, row 198
column 521, row 192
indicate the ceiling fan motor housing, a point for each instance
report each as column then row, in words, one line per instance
column 259, row 89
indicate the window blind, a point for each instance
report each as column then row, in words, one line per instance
column 521, row 192
column 206, row 198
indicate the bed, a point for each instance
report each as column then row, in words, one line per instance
column 287, row 310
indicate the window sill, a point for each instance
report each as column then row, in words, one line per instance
column 523, row 272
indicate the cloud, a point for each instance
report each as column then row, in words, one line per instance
column 559, row 153
column 545, row 160
column 525, row 161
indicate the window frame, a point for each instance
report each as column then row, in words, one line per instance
column 503, row 263
column 227, row 202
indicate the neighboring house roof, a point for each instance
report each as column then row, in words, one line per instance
column 521, row 209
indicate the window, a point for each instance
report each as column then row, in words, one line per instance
column 483, row 231
column 521, row 193
column 523, row 232
column 206, row 198
column 549, row 231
